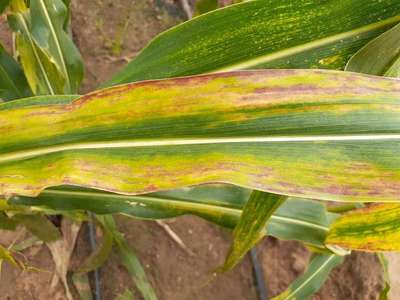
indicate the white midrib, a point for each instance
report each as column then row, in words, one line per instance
column 307, row 46
column 321, row 267
column 6, row 157
column 57, row 42
column 181, row 205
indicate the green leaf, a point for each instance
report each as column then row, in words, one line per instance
column 13, row 83
column 99, row 256
column 297, row 219
column 47, row 28
column 252, row 224
column 203, row 6
column 43, row 76
column 3, row 5
column 264, row 34
column 126, row 295
column 373, row 228
column 381, row 56
column 7, row 223
column 39, row 100
column 129, row 259
column 39, row 226
column 291, row 132
column 314, row 277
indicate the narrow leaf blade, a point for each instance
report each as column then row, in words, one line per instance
column 252, row 224
column 381, row 56
column 314, row 277
column 13, row 83
column 130, row 260
column 48, row 18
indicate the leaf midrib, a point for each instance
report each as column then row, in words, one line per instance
column 57, row 42
column 23, row 154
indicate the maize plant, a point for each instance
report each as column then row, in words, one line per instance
column 251, row 116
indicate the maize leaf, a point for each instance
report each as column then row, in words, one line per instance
column 292, row 132
column 264, row 34
column 297, row 219
column 314, row 277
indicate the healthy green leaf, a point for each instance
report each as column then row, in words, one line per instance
column 43, row 76
column 47, row 28
column 7, row 223
column 203, row 6
column 290, row 132
column 129, row 259
column 3, row 5
column 381, row 56
column 372, row 228
column 264, row 34
column 297, row 219
column 251, row 225
column 311, row 281
column 13, row 83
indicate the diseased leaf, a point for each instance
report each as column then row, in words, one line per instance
column 372, row 228
column 13, row 83
column 264, row 34
column 129, row 259
column 47, row 28
column 381, row 56
column 297, row 219
column 290, row 132
column 251, row 225
column 312, row 280
column 39, row 226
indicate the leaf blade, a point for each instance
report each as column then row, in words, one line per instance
column 311, row 281
column 297, row 219
column 256, row 133
column 373, row 228
column 130, row 260
column 251, row 225
column 249, row 35
column 380, row 56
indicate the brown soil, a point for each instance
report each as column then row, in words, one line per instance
column 109, row 32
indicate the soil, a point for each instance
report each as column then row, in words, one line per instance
column 108, row 33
